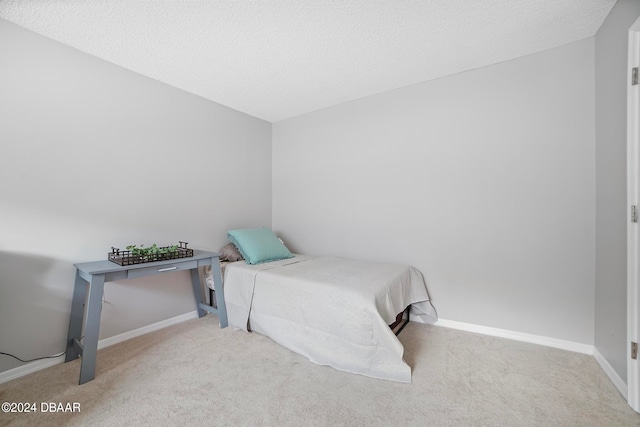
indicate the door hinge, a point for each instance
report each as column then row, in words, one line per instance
column 634, row 76
column 634, row 213
column 634, row 350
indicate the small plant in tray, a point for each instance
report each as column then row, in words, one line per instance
column 135, row 254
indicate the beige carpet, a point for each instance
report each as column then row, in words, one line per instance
column 197, row 374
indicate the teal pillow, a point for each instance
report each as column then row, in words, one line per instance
column 258, row 245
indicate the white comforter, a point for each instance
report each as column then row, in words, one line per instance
column 334, row 311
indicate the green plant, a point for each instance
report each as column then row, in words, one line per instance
column 151, row 252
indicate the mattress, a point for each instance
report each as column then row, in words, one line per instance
column 334, row 311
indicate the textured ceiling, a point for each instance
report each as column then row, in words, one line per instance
column 279, row 59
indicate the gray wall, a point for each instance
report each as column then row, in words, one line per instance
column 95, row 156
column 482, row 180
column 611, row 184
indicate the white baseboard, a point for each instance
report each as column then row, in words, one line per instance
column 146, row 329
column 546, row 341
column 29, row 368
column 611, row 373
column 518, row 336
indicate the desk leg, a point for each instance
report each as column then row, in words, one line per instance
column 77, row 314
column 221, row 308
column 197, row 290
column 219, row 289
column 92, row 328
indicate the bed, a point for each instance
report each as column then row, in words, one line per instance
column 334, row 311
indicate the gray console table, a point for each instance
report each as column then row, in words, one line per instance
column 89, row 287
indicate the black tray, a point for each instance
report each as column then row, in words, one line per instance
column 161, row 254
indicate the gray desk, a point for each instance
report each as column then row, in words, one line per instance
column 89, row 287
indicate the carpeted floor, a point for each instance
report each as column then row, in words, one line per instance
column 197, row 374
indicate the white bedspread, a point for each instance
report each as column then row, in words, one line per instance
column 334, row 311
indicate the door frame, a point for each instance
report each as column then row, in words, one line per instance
column 633, row 187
